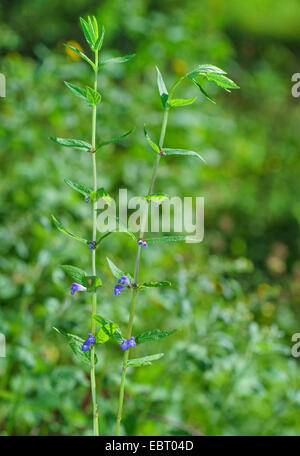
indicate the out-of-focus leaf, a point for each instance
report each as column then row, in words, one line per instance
column 181, row 102
column 162, row 283
column 152, row 144
column 60, row 227
column 162, row 88
column 123, row 59
column 76, row 274
column 145, row 361
column 166, row 239
column 79, row 187
column 100, row 193
column 189, row 153
column 154, row 334
column 74, row 143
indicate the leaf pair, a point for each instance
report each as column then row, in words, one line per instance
column 91, row 33
column 89, row 95
column 83, row 145
column 108, row 329
column 168, row 151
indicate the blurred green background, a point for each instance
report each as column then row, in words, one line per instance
column 236, row 295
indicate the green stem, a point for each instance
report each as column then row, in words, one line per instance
column 94, row 296
column 136, row 277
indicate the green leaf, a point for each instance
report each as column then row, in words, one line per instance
column 163, row 283
column 165, row 239
column 162, row 88
column 205, row 69
column 145, row 361
column 82, row 55
column 181, row 102
column 60, row 227
column 221, row 81
column 203, row 91
column 107, row 329
column 114, row 140
column 78, row 91
column 99, row 42
column 79, row 187
column 189, row 153
column 76, row 274
column 156, row 198
column 154, row 334
column 100, row 193
column 92, row 96
column 88, row 32
column 120, row 228
column 152, row 144
column 123, row 59
column 116, row 272
column 75, row 343
column 74, row 143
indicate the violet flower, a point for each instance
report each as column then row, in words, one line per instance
column 77, row 287
column 128, row 343
column 120, row 285
column 87, row 199
column 92, row 245
column 88, row 342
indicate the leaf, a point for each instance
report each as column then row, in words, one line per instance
column 75, row 343
column 156, row 198
column 75, row 143
column 120, row 228
column 79, row 187
column 189, row 153
column 114, row 140
column 152, row 144
column 88, row 32
column 181, row 102
column 82, row 55
column 221, row 81
column 92, row 96
column 99, row 42
column 78, row 91
column 123, row 59
column 100, row 193
column 205, row 69
column 163, row 283
column 107, row 330
column 154, row 334
column 145, row 361
column 203, row 91
column 116, row 272
column 60, row 227
column 76, row 274
column 165, row 239
column 162, row 88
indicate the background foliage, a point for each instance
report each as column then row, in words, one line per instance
column 236, row 295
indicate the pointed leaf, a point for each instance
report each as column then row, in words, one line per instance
column 152, row 144
column 154, row 334
column 145, row 361
column 82, row 55
column 107, row 329
column 75, row 343
column 79, row 187
column 203, row 91
column 162, row 88
column 181, row 102
column 166, row 239
column 123, row 59
column 60, row 227
column 87, row 32
column 100, row 193
column 92, row 96
column 74, row 143
column 189, row 153
column 114, row 140
column 76, row 274
column 221, row 81
column 116, row 272
column 78, row 91
column 205, row 69
column 99, row 42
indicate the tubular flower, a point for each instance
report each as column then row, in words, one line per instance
column 92, row 245
column 128, row 343
column 142, row 243
column 88, row 342
column 77, row 287
column 120, row 285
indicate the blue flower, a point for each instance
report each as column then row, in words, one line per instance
column 120, row 285
column 87, row 199
column 142, row 243
column 77, row 287
column 128, row 343
column 88, row 342
column 92, row 245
